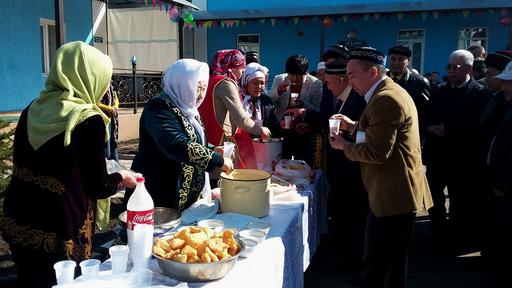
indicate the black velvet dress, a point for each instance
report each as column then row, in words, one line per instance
column 50, row 204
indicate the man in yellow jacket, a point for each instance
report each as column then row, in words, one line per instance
column 389, row 150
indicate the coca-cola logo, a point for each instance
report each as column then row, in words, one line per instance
column 139, row 217
column 143, row 218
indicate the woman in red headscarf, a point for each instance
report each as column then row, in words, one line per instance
column 222, row 96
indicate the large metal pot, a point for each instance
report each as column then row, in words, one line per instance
column 245, row 191
column 268, row 152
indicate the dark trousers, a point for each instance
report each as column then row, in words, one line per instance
column 386, row 248
column 437, row 181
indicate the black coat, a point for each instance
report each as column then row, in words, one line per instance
column 500, row 157
column 460, row 110
column 419, row 88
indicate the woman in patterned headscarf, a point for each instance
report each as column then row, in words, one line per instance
column 59, row 167
column 173, row 154
column 223, row 96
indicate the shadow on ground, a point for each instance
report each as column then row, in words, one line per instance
column 426, row 269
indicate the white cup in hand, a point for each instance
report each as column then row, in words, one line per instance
column 229, row 149
column 288, row 119
column 334, row 127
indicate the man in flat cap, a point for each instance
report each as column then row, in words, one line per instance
column 389, row 151
column 347, row 202
column 415, row 84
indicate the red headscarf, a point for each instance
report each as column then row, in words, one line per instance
column 225, row 60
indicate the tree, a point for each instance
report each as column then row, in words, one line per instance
column 6, row 136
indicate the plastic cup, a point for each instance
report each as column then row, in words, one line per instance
column 119, row 258
column 288, row 119
column 334, row 126
column 64, row 271
column 229, row 149
column 90, row 268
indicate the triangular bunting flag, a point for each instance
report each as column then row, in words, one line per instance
column 306, row 19
column 237, row 22
column 376, row 16
column 222, row 23
column 314, row 19
column 424, row 15
column 262, row 20
column 345, row 18
column 154, row 3
column 465, row 13
column 273, row 22
column 296, row 20
column 244, row 22
column 366, row 17
column 504, row 11
column 435, row 14
column 399, row 16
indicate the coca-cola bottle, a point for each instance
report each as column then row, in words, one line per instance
column 139, row 222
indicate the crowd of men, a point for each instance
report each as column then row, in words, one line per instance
column 464, row 139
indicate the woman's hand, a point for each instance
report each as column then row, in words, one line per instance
column 265, row 132
column 228, row 165
column 128, row 179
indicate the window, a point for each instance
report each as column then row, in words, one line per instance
column 48, row 45
column 414, row 40
column 472, row 36
column 249, row 42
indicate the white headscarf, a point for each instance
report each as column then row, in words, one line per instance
column 253, row 70
column 180, row 84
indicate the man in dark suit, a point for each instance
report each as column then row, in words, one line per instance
column 348, row 203
column 453, row 152
column 416, row 85
column 389, row 151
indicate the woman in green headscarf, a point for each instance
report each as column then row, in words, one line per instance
column 59, row 167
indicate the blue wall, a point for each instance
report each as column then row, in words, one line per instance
column 279, row 42
column 21, row 78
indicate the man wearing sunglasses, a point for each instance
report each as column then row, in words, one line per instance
column 452, row 153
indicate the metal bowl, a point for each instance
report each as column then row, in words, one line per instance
column 198, row 272
column 164, row 218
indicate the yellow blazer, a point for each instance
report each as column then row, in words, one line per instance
column 390, row 157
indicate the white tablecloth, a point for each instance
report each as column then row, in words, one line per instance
column 280, row 261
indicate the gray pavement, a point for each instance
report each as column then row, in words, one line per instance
column 425, row 268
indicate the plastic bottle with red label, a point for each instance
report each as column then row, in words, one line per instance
column 140, row 226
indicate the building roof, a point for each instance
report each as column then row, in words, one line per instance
column 235, row 9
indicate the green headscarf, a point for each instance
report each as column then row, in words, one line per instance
column 79, row 77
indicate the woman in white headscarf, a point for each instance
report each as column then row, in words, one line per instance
column 256, row 103
column 173, row 155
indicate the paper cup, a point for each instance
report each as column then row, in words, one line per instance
column 288, row 122
column 334, row 126
column 64, row 271
column 229, row 149
column 119, row 258
column 90, row 268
